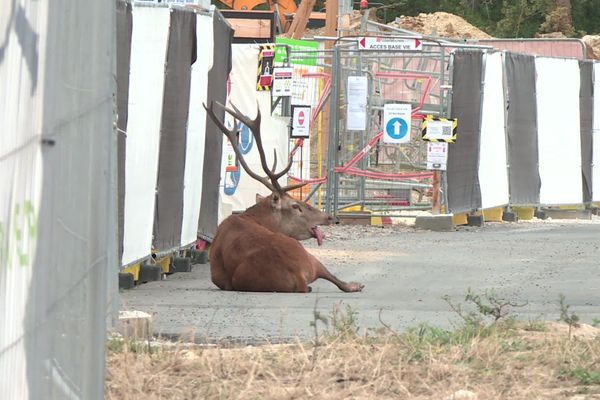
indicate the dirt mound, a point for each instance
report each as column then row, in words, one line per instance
column 593, row 44
column 440, row 24
column 437, row 24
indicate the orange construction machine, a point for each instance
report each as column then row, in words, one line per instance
column 284, row 10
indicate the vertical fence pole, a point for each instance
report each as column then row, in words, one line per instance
column 436, row 193
column 332, row 152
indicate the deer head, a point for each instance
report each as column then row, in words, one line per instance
column 279, row 211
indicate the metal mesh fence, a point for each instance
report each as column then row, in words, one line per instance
column 365, row 171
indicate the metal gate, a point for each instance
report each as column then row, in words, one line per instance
column 352, row 168
column 366, row 173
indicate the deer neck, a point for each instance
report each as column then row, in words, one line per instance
column 262, row 214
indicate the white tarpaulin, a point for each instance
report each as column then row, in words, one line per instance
column 194, row 158
column 596, row 136
column 493, row 173
column 237, row 188
column 21, row 119
column 58, row 233
column 559, row 141
column 147, row 71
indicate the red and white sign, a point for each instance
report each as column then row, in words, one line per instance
column 383, row 43
column 300, row 121
column 437, row 156
column 282, row 81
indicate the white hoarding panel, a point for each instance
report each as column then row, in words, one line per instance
column 238, row 189
column 21, row 122
column 596, row 136
column 493, row 172
column 559, row 141
column 58, row 234
column 147, row 71
column 196, row 132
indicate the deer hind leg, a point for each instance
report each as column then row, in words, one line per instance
column 219, row 276
column 322, row 272
column 247, row 278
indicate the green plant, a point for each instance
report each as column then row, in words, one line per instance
column 115, row 345
column 596, row 322
column 119, row 345
column 490, row 305
column 583, row 375
column 514, row 345
column 572, row 320
column 317, row 316
column 344, row 323
column 536, row 326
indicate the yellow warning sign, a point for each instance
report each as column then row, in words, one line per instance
column 434, row 129
column 264, row 73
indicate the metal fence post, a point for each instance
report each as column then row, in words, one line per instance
column 332, row 152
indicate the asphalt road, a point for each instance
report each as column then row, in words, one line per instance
column 406, row 273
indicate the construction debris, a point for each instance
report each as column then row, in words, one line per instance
column 593, row 44
column 440, row 24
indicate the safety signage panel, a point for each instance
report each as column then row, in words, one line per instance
column 439, row 129
column 437, row 156
column 300, row 121
column 396, row 123
column 383, row 43
column 282, row 81
column 356, row 95
column 264, row 74
column 308, row 48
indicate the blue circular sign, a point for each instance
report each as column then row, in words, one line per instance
column 246, row 138
column 396, row 128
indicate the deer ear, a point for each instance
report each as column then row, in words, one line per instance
column 259, row 198
column 276, row 201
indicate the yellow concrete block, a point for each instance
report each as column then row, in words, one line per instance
column 524, row 213
column 493, row 214
column 164, row 263
column 133, row 269
column 459, row 219
column 573, row 207
column 376, row 221
column 354, row 209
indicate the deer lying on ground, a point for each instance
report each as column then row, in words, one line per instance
column 259, row 250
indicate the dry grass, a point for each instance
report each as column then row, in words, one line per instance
column 502, row 361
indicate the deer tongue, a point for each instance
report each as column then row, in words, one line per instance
column 318, row 234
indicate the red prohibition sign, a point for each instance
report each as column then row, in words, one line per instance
column 301, row 117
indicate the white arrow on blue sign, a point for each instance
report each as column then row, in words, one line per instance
column 396, row 122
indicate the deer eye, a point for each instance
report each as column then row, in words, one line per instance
column 297, row 207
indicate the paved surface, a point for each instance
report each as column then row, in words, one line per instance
column 406, row 273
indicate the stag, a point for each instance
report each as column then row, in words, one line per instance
column 259, row 249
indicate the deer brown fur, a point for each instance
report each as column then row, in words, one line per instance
column 259, row 250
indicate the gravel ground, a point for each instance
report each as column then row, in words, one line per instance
column 406, row 272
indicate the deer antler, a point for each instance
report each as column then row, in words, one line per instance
column 270, row 180
column 232, row 136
